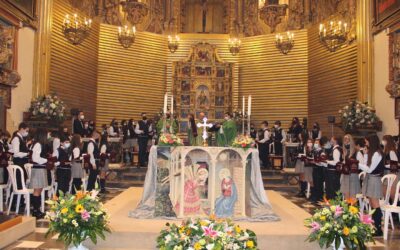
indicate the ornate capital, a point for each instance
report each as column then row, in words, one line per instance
column 271, row 14
column 136, row 11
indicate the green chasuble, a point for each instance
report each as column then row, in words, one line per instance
column 171, row 130
column 226, row 134
column 195, row 141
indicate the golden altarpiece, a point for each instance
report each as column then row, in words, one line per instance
column 202, row 83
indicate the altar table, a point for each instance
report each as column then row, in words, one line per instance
column 188, row 181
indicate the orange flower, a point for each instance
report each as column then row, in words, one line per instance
column 55, row 198
column 326, row 200
column 351, row 201
column 79, row 195
column 212, row 217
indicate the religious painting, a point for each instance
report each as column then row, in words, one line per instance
column 205, row 113
column 203, row 55
column 220, row 72
column 183, row 127
column 184, row 113
column 186, row 71
column 27, row 7
column 219, row 114
column 397, row 108
column 202, row 97
column 384, row 9
column 220, row 86
column 8, row 35
column 396, row 56
column 185, row 86
column 185, row 100
column 203, row 71
column 219, row 101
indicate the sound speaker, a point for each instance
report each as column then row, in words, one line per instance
column 331, row 119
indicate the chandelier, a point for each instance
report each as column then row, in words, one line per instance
column 173, row 43
column 271, row 12
column 136, row 10
column 126, row 36
column 75, row 30
column 234, row 45
column 334, row 36
column 284, row 44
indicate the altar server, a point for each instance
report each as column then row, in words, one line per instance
column 39, row 179
column 63, row 171
column 76, row 163
column 332, row 178
column 350, row 183
column 94, row 152
column 279, row 138
column 227, row 132
column 143, row 130
column 374, row 166
column 20, row 150
column 104, row 161
column 391, row 161
column 263, row 141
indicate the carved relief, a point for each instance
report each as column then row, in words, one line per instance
column 110, row 13
column 156, row 20
column 393, row 88
column 251, row 22
column 296, row 15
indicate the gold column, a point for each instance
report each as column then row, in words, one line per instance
column 365, row 51
column 42, row 53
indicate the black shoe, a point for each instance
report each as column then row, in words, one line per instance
column 378, row 233
column 39, row 215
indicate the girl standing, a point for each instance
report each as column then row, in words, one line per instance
column 63, row 171
column 350, row 183
column 389, row 152
column 104, row 161
column 76, row 163
column 299, row 167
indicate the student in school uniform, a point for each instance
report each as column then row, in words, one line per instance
column 315, row 132
column 4, row 156
column 308, row 165
column 332, row 178
column 20, row 150
column 350, row 183
column 76, row 163
column 63, row 171
column 39, row 180
column 94, row 152
column 318, row 173
column 374, row 166
column 391, row 158
column 279, row 138
column 144, row 130
column 299, row 167
column 104, row 161
column 263, row 141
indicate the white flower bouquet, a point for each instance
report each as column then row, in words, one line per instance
column 357, row 114
column 48, row 107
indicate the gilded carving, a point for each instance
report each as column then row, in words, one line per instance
column 251, row 22
column 393, row 88
column 110, row 13
column 7, row 75
column 296, row 15
column 157, row 20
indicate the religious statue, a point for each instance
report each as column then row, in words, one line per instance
column 225, row 203
column 202, row 99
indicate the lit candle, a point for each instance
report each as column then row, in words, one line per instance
column 277, row 37
column 249, row 107
column 345, row 27
column 172, row 105
column 324, row 32
column 243, row 105
column 165, row 103
column 321, row 27
column 119, row 30
column 134, row 30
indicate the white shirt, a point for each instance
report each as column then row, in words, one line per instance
column 111, row 131
column 336, row 156
column 103, row 149
column 267, row 136
column 376, row 159
column 76, row 152
column 36, row 150
column 360, row 157
column 15, row 147
column 139, row 132
column 56, row 145
column 393, row 157
column 90, row 150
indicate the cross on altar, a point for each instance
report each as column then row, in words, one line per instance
column 204, row 125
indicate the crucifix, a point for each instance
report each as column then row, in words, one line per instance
column 204, row 14
column 204, row 125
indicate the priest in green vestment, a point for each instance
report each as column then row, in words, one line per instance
column 227, row 132
column 171, row 125
column 194, row 133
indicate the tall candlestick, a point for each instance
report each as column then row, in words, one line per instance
column 165, row 103
column 249, row 106
column 243, row 109
column 172, row 105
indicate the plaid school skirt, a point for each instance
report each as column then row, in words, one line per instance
column 372, row 186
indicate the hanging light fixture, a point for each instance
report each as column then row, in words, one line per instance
column 284, row 43
column 234, row 45
column 334, row 36
column 126, row 36
column 173, row 43
column 76, row 30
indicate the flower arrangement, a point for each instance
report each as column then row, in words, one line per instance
column 243, row 141
column 77, row 217
column 340, row 221
column 48, row 107
column 169, row 140
column 357, row 114
column 206, row 234
column 238, row 115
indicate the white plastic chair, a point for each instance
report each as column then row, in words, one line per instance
column 23, row 191
column 389, row 179
column 2, row 188
column 9, row 184
column 362, row 200
column 50, row 191
column 28, row 168
column 389, row 209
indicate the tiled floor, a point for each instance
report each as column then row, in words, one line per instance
column 37, row 240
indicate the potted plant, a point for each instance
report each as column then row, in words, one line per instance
column 340, row 224
column 205, row 234
column 77, row 218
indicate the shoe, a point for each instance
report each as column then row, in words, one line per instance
column 378, row 233
column 38, row 214
column 301, row 195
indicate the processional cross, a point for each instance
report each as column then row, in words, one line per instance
column 204, row 125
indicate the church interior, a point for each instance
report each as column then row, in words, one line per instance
column 249, row 92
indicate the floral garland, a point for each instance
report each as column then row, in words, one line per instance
column 243, row 141
column 48, row 107
column 206, row 234
column 77, row 217
column 169, row 140
column 358, row 114
column 340, row 220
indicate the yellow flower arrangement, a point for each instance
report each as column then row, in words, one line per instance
column 197, row 246
column 346, row 231
column 353, row 210
column 79, row 208
column 238, row 229
column 250, row 244
column 64, row 210
column 323, row 218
